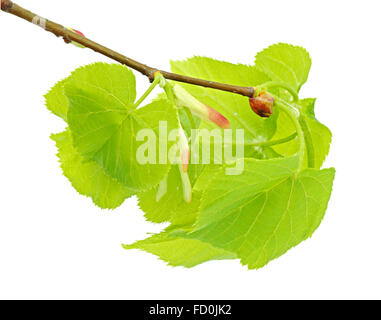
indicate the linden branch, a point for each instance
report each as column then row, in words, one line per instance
column 71, row 36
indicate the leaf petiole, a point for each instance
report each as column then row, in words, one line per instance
column 275, row 84
column 168, row 88
column 186, row 184
column 274, row 142
column 294, row 116
column 309, row 142
column 149, row 90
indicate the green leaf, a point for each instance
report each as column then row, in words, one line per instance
column 320, row 135
column 264, row 212
column 234, row 107
column 113, row 82
column 56, row 100
column 105, row 124
column 256, row 215
column 285, row 63
column 168, row 205
column 178, row 251
column 88, row 178
column 186, row 121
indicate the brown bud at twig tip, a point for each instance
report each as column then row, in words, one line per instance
column 263, row 104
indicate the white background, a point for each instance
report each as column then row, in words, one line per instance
column 57, row 244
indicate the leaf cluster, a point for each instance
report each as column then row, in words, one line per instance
column 277, row 202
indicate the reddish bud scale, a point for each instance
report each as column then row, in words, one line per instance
column 218, row 118
column 73, row 42
column 185, row 160
column 199, row 109
column 184, row 150
column 78, row 32
column 263, row 104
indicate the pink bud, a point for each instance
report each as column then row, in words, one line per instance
column 218, row 118
column 184, row 150
column 187, row 186
column 185, row 160
column 78, row 32
column 73, row 42
column 197, row 108
column 183, row 165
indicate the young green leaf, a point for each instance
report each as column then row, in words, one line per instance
column 320, row 135
column 56, row 100
column 88, row 178
column 178, row 251
column 285, row 63
column 165, row 202
column 255, row 215
column 105, row 124
column 264, row 212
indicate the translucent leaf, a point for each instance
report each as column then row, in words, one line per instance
column 178, row 251
column 321, row 136
column 88, row 178
column 168, row 205
column 264, row 212
column 56, row 100
column 285, row 63
column 105, row 124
